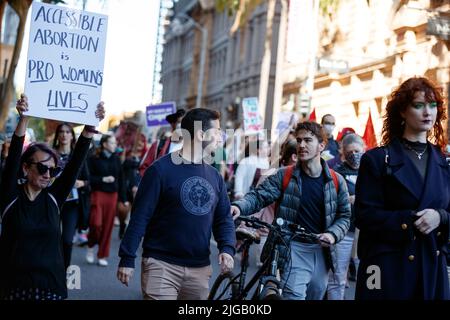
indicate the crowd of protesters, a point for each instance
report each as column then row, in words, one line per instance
column 374, row 207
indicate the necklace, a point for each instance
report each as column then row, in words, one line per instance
column 418, row 154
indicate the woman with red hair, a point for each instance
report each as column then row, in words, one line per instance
column 403, row 200
column 133, row 158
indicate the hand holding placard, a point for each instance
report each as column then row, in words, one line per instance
column 65, row 63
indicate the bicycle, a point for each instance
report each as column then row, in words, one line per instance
column 232, row 287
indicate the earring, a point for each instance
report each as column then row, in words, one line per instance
column 402, row 123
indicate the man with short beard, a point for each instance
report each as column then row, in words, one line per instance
column 179, row 202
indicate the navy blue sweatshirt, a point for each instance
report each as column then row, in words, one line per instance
column 176, row 208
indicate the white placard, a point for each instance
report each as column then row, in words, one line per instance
column 252, row 118
column 64, row 74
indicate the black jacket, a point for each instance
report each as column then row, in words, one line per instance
column 102, row 166
column 30, row 241
column 348, row 173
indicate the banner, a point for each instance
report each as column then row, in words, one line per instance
column 252, row 119
column 64, row 72
column 157, row 113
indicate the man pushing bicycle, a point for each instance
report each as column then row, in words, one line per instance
column 314, row 197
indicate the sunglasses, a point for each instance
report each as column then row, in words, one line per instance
column 42, row 169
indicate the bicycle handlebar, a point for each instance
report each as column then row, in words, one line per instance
column 295, row 229
column 255, row 223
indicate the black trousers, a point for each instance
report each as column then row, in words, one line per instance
column 69, row 219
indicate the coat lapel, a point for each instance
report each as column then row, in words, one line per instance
column 435, row 183
column 403, row 169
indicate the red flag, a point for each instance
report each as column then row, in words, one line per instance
column 312, row 116
column 369, row 134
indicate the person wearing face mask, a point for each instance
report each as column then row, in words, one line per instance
column 337, row 161
column 352, row 149
column 108, row 186
column 171, row 142
column 332, row 148
column 402, row 200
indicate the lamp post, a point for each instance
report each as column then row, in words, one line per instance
column 201, row 75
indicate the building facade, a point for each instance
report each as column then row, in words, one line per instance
column 363, row 49
column 383, row 43
column 233, row 64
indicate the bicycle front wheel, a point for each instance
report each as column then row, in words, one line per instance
column 224, row 288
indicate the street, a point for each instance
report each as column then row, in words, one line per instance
column 100, row 283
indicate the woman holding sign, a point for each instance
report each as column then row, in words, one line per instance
column 32, row 263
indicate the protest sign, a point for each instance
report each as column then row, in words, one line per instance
column 156, row 114
column 252, row 118
column 286, row 120
column 64, row 72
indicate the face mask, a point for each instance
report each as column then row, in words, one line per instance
column 328, row 128
column 354, row 159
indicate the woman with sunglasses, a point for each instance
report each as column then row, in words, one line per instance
column 32, row 263
column 76, row 208
column 402, row 200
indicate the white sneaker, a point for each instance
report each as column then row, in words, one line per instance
column 90, row 257
column 103, row 262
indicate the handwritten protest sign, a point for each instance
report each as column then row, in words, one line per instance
column 64, row 74
column 156, row 114
column 286, row 120
column 252, row 118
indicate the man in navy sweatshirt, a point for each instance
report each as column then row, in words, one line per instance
column 179, row 202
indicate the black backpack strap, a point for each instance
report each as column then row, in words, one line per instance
column 386, row 160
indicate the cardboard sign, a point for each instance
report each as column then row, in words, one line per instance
column 252, row 119
column 157, row 113
column 286, row 120
column 64, row 74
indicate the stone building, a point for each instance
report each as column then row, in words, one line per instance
column 233, row 64
column 383, row 43
column 363, row 49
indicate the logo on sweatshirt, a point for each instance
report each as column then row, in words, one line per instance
column 197, row 196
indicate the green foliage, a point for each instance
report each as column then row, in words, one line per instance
column 230, row 5
column 38, row 126
column 328, row 6
column 244, row 8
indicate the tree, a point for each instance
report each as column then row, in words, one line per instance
column 21, row 8
column 243, row 9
